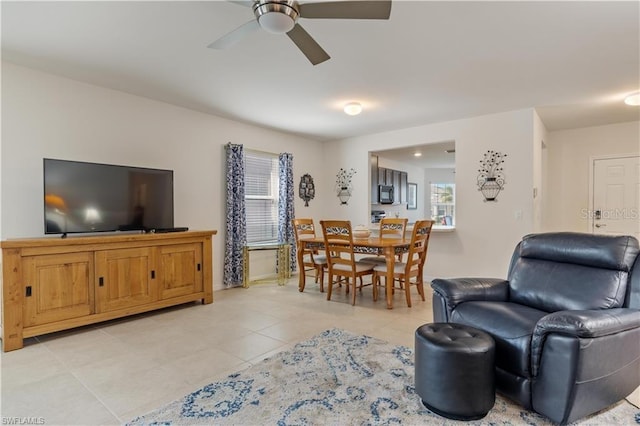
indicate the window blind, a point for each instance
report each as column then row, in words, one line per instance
column 261, row 196
column 443, row 203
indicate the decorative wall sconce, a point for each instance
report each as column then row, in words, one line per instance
column 490, row 176
column 343, row 184
column 307, row 189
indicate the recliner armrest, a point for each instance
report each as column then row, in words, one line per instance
column 583, row 324
column 457, row 290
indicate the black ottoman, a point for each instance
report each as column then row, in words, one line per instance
column 455, row 370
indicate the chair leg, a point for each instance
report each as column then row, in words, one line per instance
column 353, row 297
column 407, row 292
column 420, row 289
column 321, row 278
column 375, row 289
column 379, row 282
column 330, row 287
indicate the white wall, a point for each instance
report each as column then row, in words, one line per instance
column 567, row 182
column 486, row 232
column 539, row 170
column 47, row 116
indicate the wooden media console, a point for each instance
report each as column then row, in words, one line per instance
column 53, row 284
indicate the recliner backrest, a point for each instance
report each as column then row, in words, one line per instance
column 572, row 271
column 633, row 288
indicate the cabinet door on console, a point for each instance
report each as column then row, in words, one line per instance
column 124, row 278
column 180, row 270
column 57, row 287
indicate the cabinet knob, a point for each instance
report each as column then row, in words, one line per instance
column 101, row 281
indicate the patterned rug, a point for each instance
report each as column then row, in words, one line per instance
column 336, row 378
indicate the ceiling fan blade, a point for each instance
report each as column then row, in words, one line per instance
column 311, row 49
column 236, row 35
column 355, row 9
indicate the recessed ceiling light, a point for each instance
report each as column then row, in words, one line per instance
column 417, row 154
column 633, row 99
column 353, row 108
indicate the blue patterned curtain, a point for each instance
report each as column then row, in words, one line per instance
column 286, row 205
column 236, row 236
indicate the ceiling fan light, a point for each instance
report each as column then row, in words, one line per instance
column 276, row 22
column 352, row 108
column 633, row 99
column 276, row 16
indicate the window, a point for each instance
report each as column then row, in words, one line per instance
column 443, row 204
column 261, row 196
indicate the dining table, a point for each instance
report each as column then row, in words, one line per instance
column 372, row 245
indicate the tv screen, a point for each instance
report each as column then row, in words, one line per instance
column 92, row 197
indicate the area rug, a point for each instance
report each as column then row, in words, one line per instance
column 336, row 378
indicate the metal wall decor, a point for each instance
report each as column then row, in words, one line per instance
column 490, row 175
column 343, row 184
column 307, row 189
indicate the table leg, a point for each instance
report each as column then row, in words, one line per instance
column 245, row 269
column 301, row 278
column 281, row 264
column 287, row 261
column 389, row 254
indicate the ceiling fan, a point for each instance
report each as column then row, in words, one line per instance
column 281, row 16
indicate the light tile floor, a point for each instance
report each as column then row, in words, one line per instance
column 110, row 373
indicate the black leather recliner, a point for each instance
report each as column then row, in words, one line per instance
column 566, row 321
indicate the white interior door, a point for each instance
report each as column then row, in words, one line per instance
column 616, row 196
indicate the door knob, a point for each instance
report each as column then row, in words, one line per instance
column 600, row 225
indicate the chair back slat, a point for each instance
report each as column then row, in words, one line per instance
column 338, row 243
column 304, row 228
column 393, row 227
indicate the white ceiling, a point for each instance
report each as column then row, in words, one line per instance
column 434, row 155
column 431, row 62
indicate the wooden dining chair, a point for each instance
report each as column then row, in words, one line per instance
column 389, row 228
column 312, row 259
column 338, row 244
column 413, row 267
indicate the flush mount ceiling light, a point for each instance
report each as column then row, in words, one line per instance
column 633, row 99
column 417, row 154
column 353, row 108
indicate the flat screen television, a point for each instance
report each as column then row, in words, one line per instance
column 91, row 197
